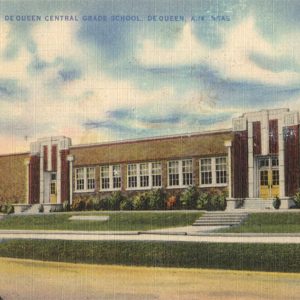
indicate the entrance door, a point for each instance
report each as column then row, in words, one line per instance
column 269, row 177
column 53, row 189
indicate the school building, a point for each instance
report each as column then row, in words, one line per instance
column 255, row 161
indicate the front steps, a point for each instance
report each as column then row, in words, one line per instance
column 221, row 219
column 32, row 209
column 258, row 204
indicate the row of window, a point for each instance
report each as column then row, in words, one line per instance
column 213, row 172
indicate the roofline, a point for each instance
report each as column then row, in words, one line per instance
column 14, row 154
column 154, row 138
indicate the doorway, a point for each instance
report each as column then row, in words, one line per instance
column 268, row 177
column 53, row 189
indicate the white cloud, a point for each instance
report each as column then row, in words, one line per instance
column 231, row 60
column 4, row 35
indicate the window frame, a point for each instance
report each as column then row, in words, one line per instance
column 180, row 173
column 111, row 176
column 141, row 175
column 85, row 180
column 213, row 172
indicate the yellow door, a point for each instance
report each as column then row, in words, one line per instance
column 274, row 183
column 264, row 190
column 269, row 183
column 53, row 194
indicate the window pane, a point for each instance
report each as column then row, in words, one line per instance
column 79, row 179
column 132, row 176
column 90, row 174
column 221, row 170
column 187, row 172
column 116, row 176
column 156, row 174
column 105, row 177
column 174, row 173
column 206, row 171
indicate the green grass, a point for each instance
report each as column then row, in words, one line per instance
column 255, row 257
column 269, row 223
column 122, row 221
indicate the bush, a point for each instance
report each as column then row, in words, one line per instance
column 212, row 201
column 97, row 203
column 156, row 199
column 171, row 202
column 41, row 208
column 297, row 200
column 202, row 201
column 115, row 200
column 276, row 202
column 126, row 204
column 188, row 198
column 10, row 209
column 89, row 204
column 140, row 201
column 78, row 204
column 3, row 208
column 66, row 206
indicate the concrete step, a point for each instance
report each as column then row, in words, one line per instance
column 221, row 219
column 33, row 209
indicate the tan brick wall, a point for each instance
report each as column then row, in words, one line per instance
column 13, row 178
column 154, row 149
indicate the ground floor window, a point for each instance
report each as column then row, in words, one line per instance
column 110, row 177
column 85, row 179
column 213, row 171
column 144, row 175
column 180, row 173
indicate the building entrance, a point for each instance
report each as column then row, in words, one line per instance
column 53, row 189
column 268, row 177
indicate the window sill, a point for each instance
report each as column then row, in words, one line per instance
column 177, row 187
column 143, row 188
column 212, row 185
column 109, row 190
column 84, row 191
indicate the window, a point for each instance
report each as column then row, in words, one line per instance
column 85, row 179
column 116, row 173
column 156, row 174
column 110, row 177
column 132, row 176
column 79, row 179
column 90, row 175
column 173, row 173
column 221, row 170
column 180, row 172
column 144, row 175
column 213, row 171
column 206, row 171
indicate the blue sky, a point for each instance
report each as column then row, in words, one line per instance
column 108, row 80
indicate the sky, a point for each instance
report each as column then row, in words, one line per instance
column 105, row 79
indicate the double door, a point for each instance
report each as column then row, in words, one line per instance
column 268, row 177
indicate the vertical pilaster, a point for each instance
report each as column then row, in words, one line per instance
column 70, row 159
column 27, row 181
column 228, row 144
column 281, row 158
column 250, row 161
column 58, row 178
column 42, row 177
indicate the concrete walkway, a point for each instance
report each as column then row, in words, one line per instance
column 183, row 234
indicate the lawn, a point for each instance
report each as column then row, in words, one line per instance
column 120, row 221
column 255, row 257
column 287, row 222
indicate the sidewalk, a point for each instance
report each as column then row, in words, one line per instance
column 181, row 234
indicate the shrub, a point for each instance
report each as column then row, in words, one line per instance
column 202, row 201
column 140, row 201
column 188, row 198
column 297, row 200
column 78, row 204
column 66, row 206
column 171, row 202
column 40, row 208
column 10, row 209
column 156, row 199
column 212, row 201
column 3, row 208
column 276, row 202
column 97, row 203
column 115, row 200
column 126, row 204
column 89, row 204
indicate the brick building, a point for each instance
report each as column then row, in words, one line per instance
column 258, row 159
